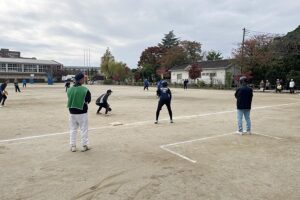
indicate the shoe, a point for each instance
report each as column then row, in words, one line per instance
column 156, row 122
column 171, row 121
column 85, row 148
column 239, row 132
column 73, row 148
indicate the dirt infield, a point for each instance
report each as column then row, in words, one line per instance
column 197, row 157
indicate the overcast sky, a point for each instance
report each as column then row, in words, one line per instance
column 62, row 30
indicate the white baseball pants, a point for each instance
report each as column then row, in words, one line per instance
column 79, row 121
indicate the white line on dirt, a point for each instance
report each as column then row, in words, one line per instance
column 199, row 139
column 274, row 137
column 164, row 147
column 178, row 154
column 143, row 122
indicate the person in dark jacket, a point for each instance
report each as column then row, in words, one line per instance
column 244, row 96
column 16, row 85
column 78, row 99
column 102, row 102
column 165, row 97
column 185, row 83
column 146, row 84
column 67, row 85
column 3, row 93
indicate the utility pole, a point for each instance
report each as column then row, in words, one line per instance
column 243, row 42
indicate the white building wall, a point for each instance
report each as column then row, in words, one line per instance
column 175, row 76
column 218, row 79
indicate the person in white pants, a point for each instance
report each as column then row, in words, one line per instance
column 78, row 99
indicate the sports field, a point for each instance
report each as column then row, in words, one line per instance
column 197, row 157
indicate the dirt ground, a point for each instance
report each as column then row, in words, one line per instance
column 196, row 157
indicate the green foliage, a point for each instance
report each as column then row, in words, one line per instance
column 169, row 41
column 192, row 50
column 295, row 75
column 106, row 61
column 214, row 55
column 270, row 57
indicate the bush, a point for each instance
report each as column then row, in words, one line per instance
column 108, row 82
column 200, row 84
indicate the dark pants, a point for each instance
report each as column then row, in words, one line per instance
column 160, row 105
column 24, row 85
column 185, row 86
column 17, row 88
column 3, row 97
column 103, row 105
column 292, row 90
column 146, row 87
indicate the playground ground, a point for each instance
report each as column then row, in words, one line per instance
column 197, row 157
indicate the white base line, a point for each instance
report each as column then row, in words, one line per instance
column 274, row 137
column 142, row 122
column 164, row 147
column 178, row 154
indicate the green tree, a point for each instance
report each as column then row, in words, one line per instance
column 174, row 56
column 214, row 55
column 107, row 61
column 192, row 50
column 169, row 41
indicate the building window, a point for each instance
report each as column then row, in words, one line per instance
column 14, row 68
column 30, row 68
column 3, row 67
column 212, row 74
column 179, row 76
column 44, row 68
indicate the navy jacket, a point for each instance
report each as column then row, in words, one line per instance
column 244, row 96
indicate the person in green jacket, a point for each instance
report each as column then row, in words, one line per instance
column 78, row 99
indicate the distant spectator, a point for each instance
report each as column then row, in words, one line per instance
column 267, row 85
column 262, row 85
column 292, row 86
column 67, row 85
column 146, row 84
column 185, row 83
column 16, row 85
column 24, row 83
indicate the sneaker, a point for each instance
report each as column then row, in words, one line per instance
column 85, row 148
column 239, row 132
column 73, row 148
column 156, row 122
column 171, row 121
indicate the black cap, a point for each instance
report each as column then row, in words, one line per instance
column 109, row 91
column 79, row 76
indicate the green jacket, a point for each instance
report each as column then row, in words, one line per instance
column 76, row 97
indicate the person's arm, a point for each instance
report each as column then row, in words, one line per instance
column 158, row 92
column 170, row 93
column 105, row 98
column 236, row 93
column 88, row 97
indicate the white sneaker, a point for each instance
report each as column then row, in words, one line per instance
column 239, row 132
column 85, row 148
column 73, row 148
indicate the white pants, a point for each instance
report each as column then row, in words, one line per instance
column 81, row 121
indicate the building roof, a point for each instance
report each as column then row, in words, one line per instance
column 28, row 61
column 81, row 67
column 209, row 64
